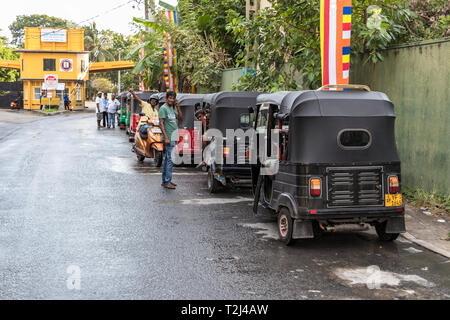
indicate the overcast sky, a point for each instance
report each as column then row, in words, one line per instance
column 76, row 11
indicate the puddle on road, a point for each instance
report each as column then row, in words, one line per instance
column 267, row 230
column 374, row 278
column 207, row 201
column 129, row 165
column 412, row 250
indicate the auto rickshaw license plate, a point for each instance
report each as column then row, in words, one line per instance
column 393, row 200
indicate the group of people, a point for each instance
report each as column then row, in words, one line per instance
column 168, row 115
column 106, row 110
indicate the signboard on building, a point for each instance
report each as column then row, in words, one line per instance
column 59, row 87
column 53, row 35
column 51, row 81
column 66, row 65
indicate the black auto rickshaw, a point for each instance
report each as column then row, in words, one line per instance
column 190, row 141
column 134, row 109
column 338, row 167
column 228, row 162
column 161, row 98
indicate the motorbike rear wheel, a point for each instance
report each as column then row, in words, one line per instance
column 140, row 158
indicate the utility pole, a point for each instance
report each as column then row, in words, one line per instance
column 119, row 77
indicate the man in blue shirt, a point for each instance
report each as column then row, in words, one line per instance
column 104, row 105
column 66, row 102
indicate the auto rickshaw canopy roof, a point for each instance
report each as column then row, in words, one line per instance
column 324, row 103
column 189, row 99
column 231, row 98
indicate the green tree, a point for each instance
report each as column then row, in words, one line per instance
column 6, row 53
column 98, row 43
column 284, row 40
column 209, row 19
column 17, row 28
column 152, row 64
column 102, row 85
column 7, row 75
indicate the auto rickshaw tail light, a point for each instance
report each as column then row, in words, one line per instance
column 315, row 187
column 226, row 152
column 394, row 186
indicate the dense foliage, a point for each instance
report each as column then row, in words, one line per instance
column 6, row 53
column 284, row 41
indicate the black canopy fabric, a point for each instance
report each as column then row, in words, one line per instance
column 227, row 108
column 316, row 118
column 351, row 103
column 231, row 99
column 162, row 97
column 187, row 105
column 187, row 99
column 123, row 94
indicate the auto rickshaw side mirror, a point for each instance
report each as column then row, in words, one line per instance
column 281, row 116
column 251, row 109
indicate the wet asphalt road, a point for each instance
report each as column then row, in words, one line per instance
column 72, row 195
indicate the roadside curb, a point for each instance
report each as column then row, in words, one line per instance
column 426, row 245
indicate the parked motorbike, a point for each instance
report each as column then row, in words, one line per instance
column 148, row 140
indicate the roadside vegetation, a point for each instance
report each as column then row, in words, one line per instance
column 438, row 203
column 280, row 46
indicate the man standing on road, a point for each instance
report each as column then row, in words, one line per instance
column 98, row 107
column 66, row 102
column 112, row 107
column 103, row 109
column 168, row 115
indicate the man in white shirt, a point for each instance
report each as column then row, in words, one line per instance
column 98, row 109
column 112, row 107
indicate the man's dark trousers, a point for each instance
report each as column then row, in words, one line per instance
column 105, row 118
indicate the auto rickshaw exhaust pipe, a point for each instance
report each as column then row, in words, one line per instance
column 347, row 227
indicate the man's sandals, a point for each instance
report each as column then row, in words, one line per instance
column 169, row 185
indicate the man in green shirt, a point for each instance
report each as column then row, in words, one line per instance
column 169, row 113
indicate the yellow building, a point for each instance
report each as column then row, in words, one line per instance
column 57, row 55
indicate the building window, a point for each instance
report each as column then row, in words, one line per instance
column 37, row 93
column 83, row 65
column 78, row 94
column 22, row 64
column 49, row 64
column 25, row 93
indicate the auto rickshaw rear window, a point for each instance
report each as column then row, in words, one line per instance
column 354, row 139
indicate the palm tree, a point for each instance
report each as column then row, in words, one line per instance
column 97, row 43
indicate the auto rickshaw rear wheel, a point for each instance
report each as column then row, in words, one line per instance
column 285, row 226
column 381, row 232
column 213, row 184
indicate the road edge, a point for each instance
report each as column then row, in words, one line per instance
column 426, row 245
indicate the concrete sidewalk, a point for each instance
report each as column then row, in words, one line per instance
column 428, row 230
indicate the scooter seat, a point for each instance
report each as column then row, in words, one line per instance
column 143, row 132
